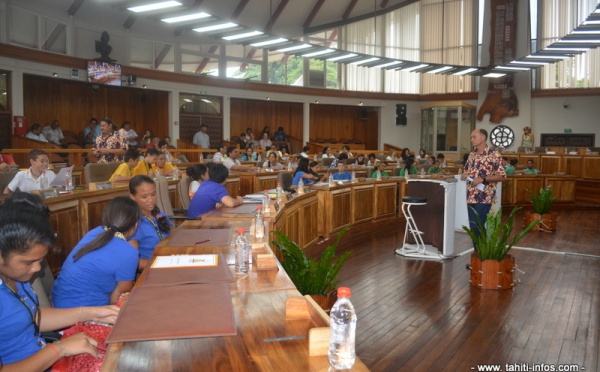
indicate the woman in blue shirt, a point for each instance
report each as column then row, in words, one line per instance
column 103, row 264
column 154, row 225
column 306, row 171
column 25, row 237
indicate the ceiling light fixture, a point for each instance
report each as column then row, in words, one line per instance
column 465, row 72
column 220, row 26
column 530, row 63
column 155, row 6
column 494, row 75
column 187, row 17
column 441, row 69
column 269, row 42
column 362, row 62
column 417, row 67
column 389, row 64
column 513, row 68
column 188, row 100
column 580, row 41
column 344, row 56
column 243, row 35
column 294, row 47
column 318, row 53
column 565, row 48
column 205, row 100
column 547, row 56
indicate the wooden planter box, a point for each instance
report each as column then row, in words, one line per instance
column 548, row 223
column 491, row 274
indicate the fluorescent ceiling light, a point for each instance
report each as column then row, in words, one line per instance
column 187, row 17
column 579, row 41
column 585, row 32
column 294, row 47
column 220, row 26
column 543, row 56
column 389, row 64
column 591, row 22
column 244, row 35
column 530, row 63
column 494, row 75
column 464, row 72
column 319, row 53
column 344, row 56
column 270, row 42
column 415, row 67
column 559, row 49
column 372, row 59
column 445, row 68
column 205, row 100
column 155, row 6
column 188, row 100
column 513, row 68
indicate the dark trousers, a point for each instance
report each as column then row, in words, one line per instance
column 477, row 216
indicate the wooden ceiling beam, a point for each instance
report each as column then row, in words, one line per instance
column 384, row 3
column 349, row 9
column 129, row 21
column 59, row 29
column 74, row 7
column 275, row 16
column 313, row 13
column 161, row 56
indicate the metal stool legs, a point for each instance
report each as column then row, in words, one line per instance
column 418, row 249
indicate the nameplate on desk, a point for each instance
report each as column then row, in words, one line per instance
column 191, row 260
column 97, row 186
column 48, row 193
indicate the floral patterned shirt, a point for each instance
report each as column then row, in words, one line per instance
column 483, row 165
column 111, row 141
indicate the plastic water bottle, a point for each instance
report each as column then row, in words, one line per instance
column 176, row 173
column 331, row 183
column 353, row 177
column 342, row 324
column 279, row 192
column 265, row 201
column 259, row 225
column 69, row 181
column 378, row 175
column 289, row 166
column 201, row 157
column 300, row 187
column 242, row 253
column 423, row 172
column 43, row 181
column 398, row 163
column 459, row 171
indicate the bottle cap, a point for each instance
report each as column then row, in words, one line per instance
column 241, row 231
column 344, row 292
column 259, row 207
column 266, row 190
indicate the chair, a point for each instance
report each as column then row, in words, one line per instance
column 6, row 177
column 326, row 162
column 163, row 202
column 99, row 172
column 42, row 283
column 183, row 188
column 396, row 172
column 285, row 179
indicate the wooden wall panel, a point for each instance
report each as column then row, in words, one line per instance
column 74, row 103
column 256, row 114
column 349, row 122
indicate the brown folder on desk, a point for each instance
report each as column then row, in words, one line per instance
column 241, row 209
column 206, row 237
column 189, row 275
column 174, row 312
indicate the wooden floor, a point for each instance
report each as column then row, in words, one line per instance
column 418, row 315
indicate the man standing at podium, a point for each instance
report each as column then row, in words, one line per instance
column 483, row 170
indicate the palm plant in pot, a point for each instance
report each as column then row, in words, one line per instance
column 316, row 277
column 491, row 265
column 542, row 201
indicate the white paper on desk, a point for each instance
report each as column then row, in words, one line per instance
column 61, row 176
column 192, row 260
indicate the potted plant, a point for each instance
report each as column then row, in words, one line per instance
column 312, row 276
column 491, row 265
column 542, row 201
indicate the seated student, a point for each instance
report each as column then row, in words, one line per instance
column 35, row 132
column 163, row 146
column 145, row 166
column 30, row 179
column 360, row 160
column 274, row 149
column 305, row 151
column 342, row 157
column 379, row 168
column 243, row 140
column 265, row 143
column 272, row 162
column 327, row 153
column 307, row 171
column 442, row 159
column 409, row 167
column 220, row 156
column 346, row 149
column 25, row 238
column 391, row 156
column 212, row 194
column 103, row 264
column 125, row 171
column 530, row 169
column 250, row 155
column 198, row 173
column 509, row 167
column 162, row 167
column 6, row 161
column 373, row 161
column 422, row 157
column 342, row 174
column 435, row 168
column 232, row 163
column 282, row 138
column 405, row 153
column 154, row 225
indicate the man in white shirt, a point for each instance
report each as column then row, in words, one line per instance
column 53, row 133
column 201, row 138
column 36, row 133
column 305, row 151
column 232, row 163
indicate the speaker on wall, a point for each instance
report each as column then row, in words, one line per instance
column 401, row 114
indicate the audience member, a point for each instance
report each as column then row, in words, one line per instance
column 409, row 167
column 282, row 139
column 154, row 143
column 128, row 134
column 509, row 167
column 167, row 139
column 25, row 238
column 266, row 130
column 220, row 155
column 435, row 168
column 250, row 155
column 274, row 148
column 145, row 166
column 306, row 172
column 212, row 194
column 242, row 141
column 6, row 160
column 405, row 153
column 422, row 157
column 346, row 149
column 265, row 143
column 163, row 147
column 342, row 174
column 201, row 138
column 442, row 158
column 91, row 132
column 125, row 171
column 251, row 141
column 35, row 133
column 198, row 173
column 153, row 225
column 53, row 133
column 360, row 160
column 327, row 153
column 162, row 167
column 391, row 156
column 103, row 264
column 30, row 179
column 305, row 151
column 379, row 167
column 272, row 162
column 373, row 161
column 342, row 157
column 110, row 146
column 530, row 169
column 146, row 138
column 232, row 163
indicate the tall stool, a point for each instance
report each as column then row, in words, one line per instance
column 418, row 249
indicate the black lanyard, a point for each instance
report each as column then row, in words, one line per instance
column 35, row 317
column 155, row 227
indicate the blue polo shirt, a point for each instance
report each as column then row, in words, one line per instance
column 205, row 199
column 148, row 236
column 17, row 339
column 297, row 177
column 346, row 176
column 90, row 280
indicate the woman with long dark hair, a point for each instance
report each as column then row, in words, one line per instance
column 25, row 238
column 304, row 172
column 198, row 174
column 409, row 167
column 154, row 225
column 103, row 264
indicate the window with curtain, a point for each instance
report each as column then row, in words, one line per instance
column 557, row 18
column 363, row 37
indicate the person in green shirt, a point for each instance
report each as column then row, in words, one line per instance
column 509, row 168
column 380, row 169
column 435, row 168
column 409, row 167
column 530, row 169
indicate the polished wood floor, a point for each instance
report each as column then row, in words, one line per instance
column 419, row 315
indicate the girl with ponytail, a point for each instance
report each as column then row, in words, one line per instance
column 103, row 264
